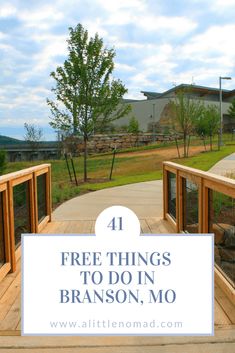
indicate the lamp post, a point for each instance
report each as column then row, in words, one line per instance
column 221, row 113
column 154, row 127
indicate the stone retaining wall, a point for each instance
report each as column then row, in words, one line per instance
column 106, row 143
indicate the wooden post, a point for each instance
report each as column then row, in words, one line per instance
column 7, row 182
column 200, row 205
column 6, row 225
column 6, row 267
column 11, row 225
column 34, row 203
column 49, row 193
column 181, row 202
column 165, row 192
column 205, row 196
column 169, row 169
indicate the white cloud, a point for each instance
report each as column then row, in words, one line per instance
column 170, row 25
column 131, row 45
column 174, row 25
column 44, row 60
column 226, row 2
column 10, row 53
column 13, row 121
column 124, row 67
column 134, row 93
column 95, row 26
column 3, row 36
column 205, row 57
column 215, row 41
column 213, row 6
column 28, row 96
column 140, row 80
column 151, row 50
column 47, row 37
column 223, row 4
column 115, row 5
column 120, row 18
column 156, row 67
column 161, row 62
column 139, row 14
column 6, row 47
column 7, row 10
column 41, row 18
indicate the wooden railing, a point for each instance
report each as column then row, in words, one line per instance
column 25, row 207
column 202, row 202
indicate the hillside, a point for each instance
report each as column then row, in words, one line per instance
column 5, row 140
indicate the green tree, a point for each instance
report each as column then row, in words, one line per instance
column 200, row 127
column 86, row 95
column 231, row 110
column 186, row 110
column 133, row 126
column 208, row 122
column 212, row 121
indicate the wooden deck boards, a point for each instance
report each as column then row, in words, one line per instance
column 223, row 341
column 150, row 225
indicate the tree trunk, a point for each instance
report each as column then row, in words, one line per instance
column 211, row 142
column 177, row 146
column 204, row 142
column 185, row 145
column 85, row 158
column 188, row 145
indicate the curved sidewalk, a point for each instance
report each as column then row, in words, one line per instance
column 145, row 199
column 225, row 166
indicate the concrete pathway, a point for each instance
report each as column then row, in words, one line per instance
column 225, row 166
column 145, row 199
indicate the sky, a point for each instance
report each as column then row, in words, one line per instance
column 158, row 44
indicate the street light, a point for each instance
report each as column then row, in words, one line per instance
column 220, row 106
column 154, row 127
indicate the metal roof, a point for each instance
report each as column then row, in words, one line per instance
column 153, row 94
column 194, row 88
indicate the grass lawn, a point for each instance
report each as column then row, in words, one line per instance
column 133, row 166
column 205, row 161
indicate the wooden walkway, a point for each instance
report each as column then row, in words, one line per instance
column 223, row 341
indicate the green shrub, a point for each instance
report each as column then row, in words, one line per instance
column 133, row 127
column 3, row 161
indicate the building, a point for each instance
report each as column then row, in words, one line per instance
column 155, row 108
